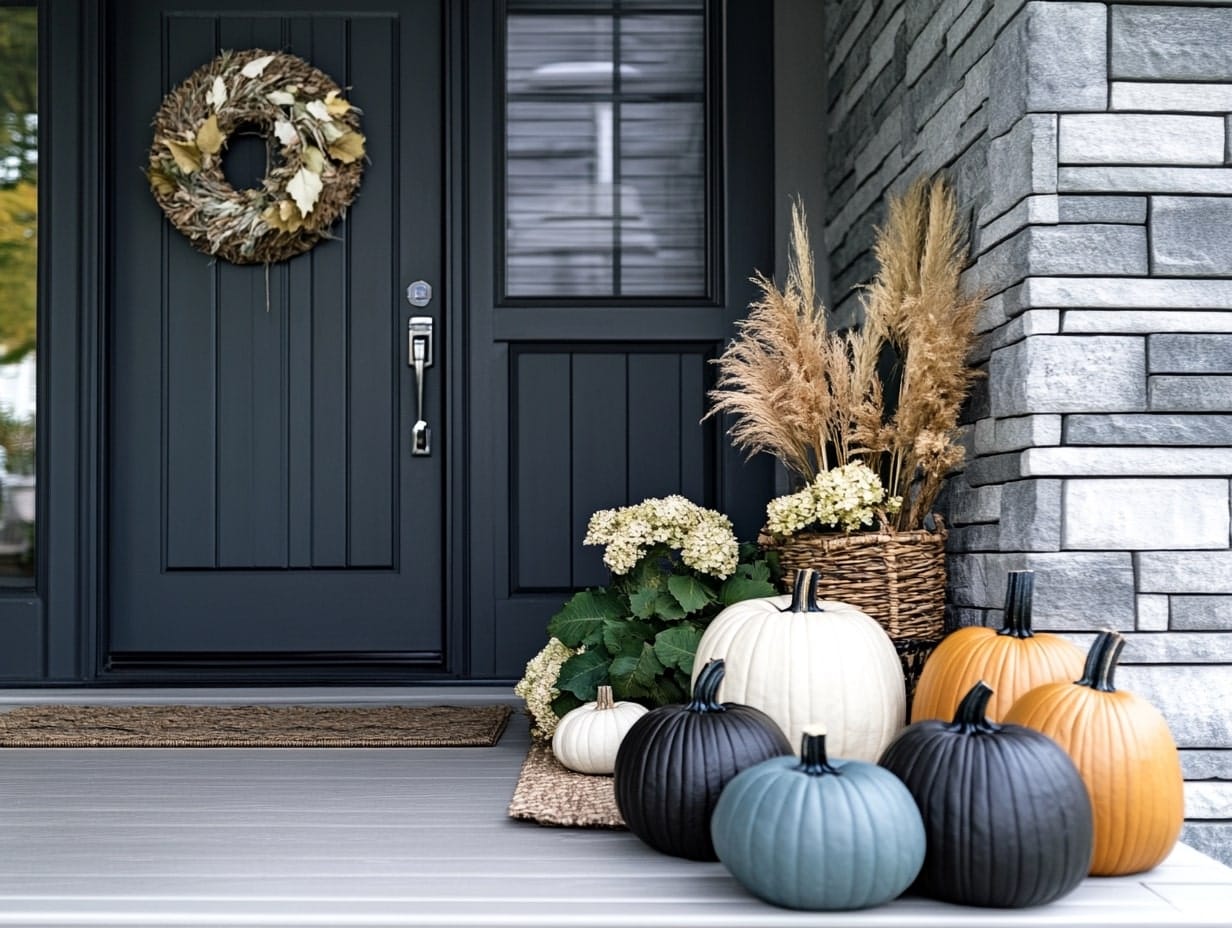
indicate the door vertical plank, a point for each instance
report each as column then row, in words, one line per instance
column 190, row 378
column 372, row 229
column 599, row 477
column 693, row 433
column 542, row 551
column 654, row 425
column 328, row 261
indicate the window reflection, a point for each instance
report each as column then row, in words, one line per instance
column 605, row 149
column 18, row 286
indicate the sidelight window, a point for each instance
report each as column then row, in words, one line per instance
column 606, row 167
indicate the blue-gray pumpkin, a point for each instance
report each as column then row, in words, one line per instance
column 818, row 834
column 1006, row 813
column 675, row 760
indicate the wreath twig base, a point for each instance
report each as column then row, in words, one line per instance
column 313, row 136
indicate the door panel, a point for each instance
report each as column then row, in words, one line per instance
column 263, row 502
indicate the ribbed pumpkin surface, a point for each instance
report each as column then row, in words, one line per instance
column 1011, row 661
column 1006, row 814
column 1122, row 747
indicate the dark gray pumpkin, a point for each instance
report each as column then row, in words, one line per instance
column 1006, row 813
column 675, row 760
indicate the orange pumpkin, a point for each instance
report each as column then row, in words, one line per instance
column 1123, row 749
column 1011, row 661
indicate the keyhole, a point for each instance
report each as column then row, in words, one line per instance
column 244, row 163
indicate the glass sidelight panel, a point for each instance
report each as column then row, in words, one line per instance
column 18, row 287
column 605, row 149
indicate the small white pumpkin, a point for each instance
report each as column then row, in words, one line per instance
column 803, row 660
column 588, row 737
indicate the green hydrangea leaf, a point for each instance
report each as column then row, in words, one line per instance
column 691, row 593
column 565, row 702
column 625, row 636
column 581, row 620
column 667, row 608
column 758, row 570
column 737, row 589
column 642, row 602
column 677, row 646
column 633, row 677
column 582, row 674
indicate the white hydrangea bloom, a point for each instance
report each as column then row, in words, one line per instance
column 704, row 537
column 538, row 685
column 848, row 497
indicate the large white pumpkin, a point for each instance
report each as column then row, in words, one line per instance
column 805, row 661
column 587, row 738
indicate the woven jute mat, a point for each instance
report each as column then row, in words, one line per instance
column 57, row 726
column 550, row 794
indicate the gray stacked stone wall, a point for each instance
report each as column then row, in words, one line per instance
column 1090, row 144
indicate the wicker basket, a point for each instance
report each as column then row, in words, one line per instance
column 896, row 577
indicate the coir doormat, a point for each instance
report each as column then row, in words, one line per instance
column 60, row 726
column 551, row 794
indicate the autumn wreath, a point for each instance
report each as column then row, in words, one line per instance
column 315, row 167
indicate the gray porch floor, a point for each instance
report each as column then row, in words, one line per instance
column 400, row 837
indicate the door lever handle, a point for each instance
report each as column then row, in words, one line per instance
column 419, row 357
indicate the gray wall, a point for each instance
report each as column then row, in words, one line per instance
column 1088, row 144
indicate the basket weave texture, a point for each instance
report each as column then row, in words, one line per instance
column 896, row 577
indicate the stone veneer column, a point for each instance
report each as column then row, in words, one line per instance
column 1089, row 142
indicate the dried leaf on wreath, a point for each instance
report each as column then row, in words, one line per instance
column 305, row 188
column 314, row 160
column 285, row 132
column 186, row 154
column 216, row 96
column 160, row 183
column 209, row 136
column 348, row 148
column 335, row 104
column 283, row 216
column 318, row 110
column 332, row 131
column 280, row 98
column 256, row 66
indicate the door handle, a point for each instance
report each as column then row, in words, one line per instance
column 419, row 357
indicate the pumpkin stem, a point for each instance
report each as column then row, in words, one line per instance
column 971, row 715
column 603, row 699
column 706, row 688
column 813, row 759
column 804, row 591
column 1102, row 661
column 1019, row 588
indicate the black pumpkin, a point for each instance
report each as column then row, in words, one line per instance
column 1006, row 814
column 675, row 760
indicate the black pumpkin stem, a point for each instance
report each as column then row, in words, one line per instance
column 1102, row 660
column 1019, row 589
column 706, row 688
column 804, row 591
column 971, row 715
column 813, row 759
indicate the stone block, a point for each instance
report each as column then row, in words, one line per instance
column 1211, row 838
column 1134, row 138
column 1106, row 179
column 847, row 39
column 1194, row 701
column 1031, row 515
column 1189, row 354
column 1073, row 591
column 1001, row 435
column 1131, row 514
column 927, row 40
column 1177, row 648
column 1101, row 209
column 1152, row 612
column 1051, row 58
column 1206, row 765
column 1165, row 97
column 1171, row 43
column 1020, row 163
column 969, row 505
column 1039, row 210
column 1121, row 294
column 1125, row 462
column 1185, row 572
column 1208, row 800
column 997, row 468
column 1032, row 322
column 1148, row 429
column 982, row 537
column 1202, row 613
column 1191, row 394
column 1191, row 236
column 1144, row 321
column 1063, row 249
column 1057, row 373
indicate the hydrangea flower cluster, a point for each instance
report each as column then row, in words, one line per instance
column 847, row 496
column 538, row 685
column 704, row 537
